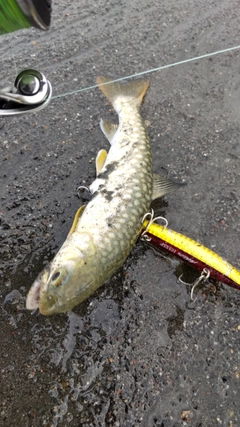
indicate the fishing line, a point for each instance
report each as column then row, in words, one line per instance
column 14, row 63
column 152, row 70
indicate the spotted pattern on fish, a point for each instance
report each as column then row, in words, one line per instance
column 106, row 230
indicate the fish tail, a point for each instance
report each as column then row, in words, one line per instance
column 134, row 89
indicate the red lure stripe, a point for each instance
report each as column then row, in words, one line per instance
column 186, row 257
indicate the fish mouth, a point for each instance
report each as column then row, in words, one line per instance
column 33, row 297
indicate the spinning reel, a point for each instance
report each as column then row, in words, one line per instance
column 31, row 93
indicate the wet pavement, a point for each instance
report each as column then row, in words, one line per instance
column 138, row 352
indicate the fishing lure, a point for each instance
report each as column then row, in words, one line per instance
column 194, row 253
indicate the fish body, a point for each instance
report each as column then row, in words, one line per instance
column 104, row 231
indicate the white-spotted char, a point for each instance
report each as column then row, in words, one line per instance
column 104, row 232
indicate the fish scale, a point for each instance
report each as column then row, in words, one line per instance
column 104, row 232
column 130, row 202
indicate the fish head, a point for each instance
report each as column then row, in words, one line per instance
column 67, row 280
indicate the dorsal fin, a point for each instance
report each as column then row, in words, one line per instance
column 162, row 186
column 76, row 219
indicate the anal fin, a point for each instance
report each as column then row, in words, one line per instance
column 109, row 129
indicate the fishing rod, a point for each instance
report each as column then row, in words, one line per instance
column 19, row 14
column 190, row 251
column 31, row 92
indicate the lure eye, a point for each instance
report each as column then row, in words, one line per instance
column 59, row 277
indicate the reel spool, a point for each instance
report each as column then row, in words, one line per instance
column 31, row 93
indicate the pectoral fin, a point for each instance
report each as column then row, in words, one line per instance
column 100, row 160
column 76, row 219
column 162, row 186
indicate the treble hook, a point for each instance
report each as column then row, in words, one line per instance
column 205, row 274
column 81, row 189
column 151, row 221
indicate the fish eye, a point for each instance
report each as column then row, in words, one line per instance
column 59, row 277
column 55, row 276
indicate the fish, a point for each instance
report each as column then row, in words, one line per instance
column 105, row 230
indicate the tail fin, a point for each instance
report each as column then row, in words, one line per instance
column 134, row 89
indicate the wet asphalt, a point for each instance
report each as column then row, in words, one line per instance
column 138, row 352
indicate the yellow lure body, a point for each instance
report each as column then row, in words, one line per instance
column 194, row 249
